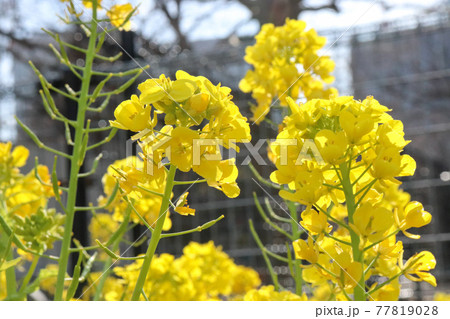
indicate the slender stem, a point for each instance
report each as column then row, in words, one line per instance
column 365, row 188
column 193, row 230
column 262, row 179
column 326, row 270
column 77, row 155
column 10, row 275
column 130, row 202
column 289, row 258
column 107, row 139
column 189, row 182
column 38, row 142
column 382, row 239
column 338, row 175
column 385, row 283
column 86, row 248
column 296, row 232
column 332, row 218
column 107, row 266
column 145, row 296
column 337, row 239
column 149, row 191
column 30, row 273
column 276, row 256
column 371, row 264
column 362, row 174
column 332, row 186
column 365, row 193
column 346, row 295
column 268, row 221
column 359, row 293
column 272, row 273
column 156, row 235
column 272, row 213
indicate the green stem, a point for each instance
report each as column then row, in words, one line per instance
column 326, row 270
column 337, row 239
column 77, row 156
column 189, row 182
column 268, row 221
column 30, row 273
column 10, row 275
column 362, row 174
column 193, row 230
column 272, row 213
column 156, row 235
column 262, row 179
column 289, row 259
column 371, row 264
column 382, row 239
column 272, row 273
column 359, row 293
column 149, row 191
column 296, row 233
column 10, row 272
column 332, row 218
column 385, row 283
column 107, row 266
column 367, row 189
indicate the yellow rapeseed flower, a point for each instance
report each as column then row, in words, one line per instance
column 118, row 14
column 286, row 63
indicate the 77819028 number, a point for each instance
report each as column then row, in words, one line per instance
column 407, row 310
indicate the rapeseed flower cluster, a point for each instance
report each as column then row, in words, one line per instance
column 199, row 118
column 286, row 62
column 441, row 296
column 23, row 201
column 203, row 272
column 268, row 293
column 129, row 174
column 188, row 102
column 118, row 14
column 341, row 159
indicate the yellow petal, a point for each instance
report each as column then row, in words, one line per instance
column 20, row 156
column 231, row 190
column 199, row 102
column 182, row 90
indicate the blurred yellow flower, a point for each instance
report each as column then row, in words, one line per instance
column 286, row 63
column 118, row 15
column 268, row 293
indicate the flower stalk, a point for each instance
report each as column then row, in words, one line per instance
column 359, row 292
column 78, row 154
column 156, row 234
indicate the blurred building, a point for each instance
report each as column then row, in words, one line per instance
column 406, row 66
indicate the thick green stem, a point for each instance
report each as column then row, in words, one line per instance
column 77, row 156
column 10, row 276
column 156, row 235
column 296, row 232
column 359, row 293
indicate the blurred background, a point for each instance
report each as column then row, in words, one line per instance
column 397, row 51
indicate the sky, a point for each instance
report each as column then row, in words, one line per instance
column 201, row 20
column 219, row 18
